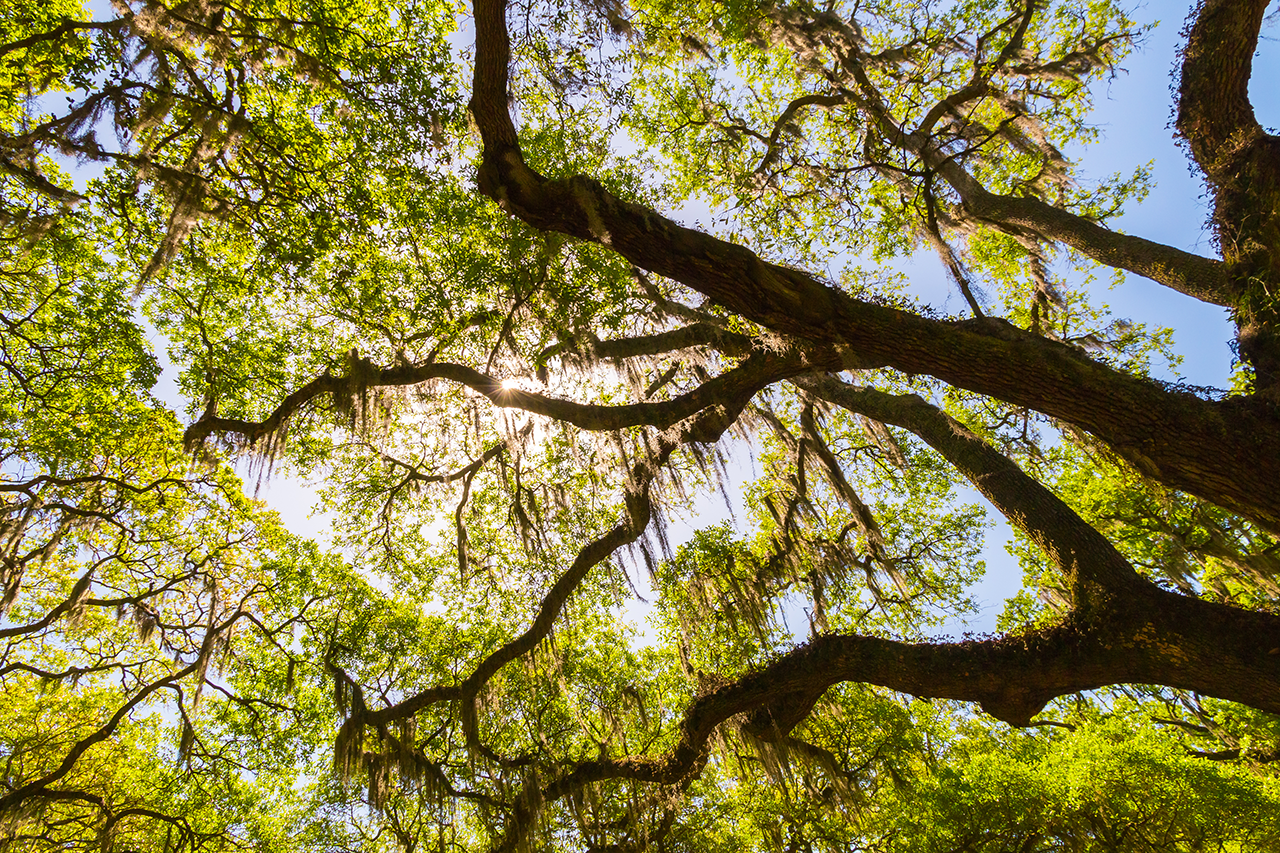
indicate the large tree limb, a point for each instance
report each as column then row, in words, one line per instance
column 1214, row 114
column 1188, row 443
column 1241, row 163
column 1205, row 279
column 686, row 337
column 1163, row 639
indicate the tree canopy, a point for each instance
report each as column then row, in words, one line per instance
column 431, row 257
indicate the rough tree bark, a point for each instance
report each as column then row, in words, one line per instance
column 1183, row 441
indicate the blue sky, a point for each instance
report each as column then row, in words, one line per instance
column 1135, row 112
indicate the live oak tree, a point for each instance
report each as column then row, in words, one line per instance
column 418, row 254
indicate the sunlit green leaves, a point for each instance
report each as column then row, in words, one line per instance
column 290, row 202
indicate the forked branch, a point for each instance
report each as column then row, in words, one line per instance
column 706, row 427
column 1188, row 443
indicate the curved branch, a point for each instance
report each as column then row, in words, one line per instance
column 1188, row 443
column 1205, row 279
column 71, row 672
column 1214, row 114
column 756, row 371
column 31, row 486
column 112, row 817
column 772, row 148
column 75, row 600
column 1012, row 678
column 67, row 26
column 626, row 531
column 1241, row 164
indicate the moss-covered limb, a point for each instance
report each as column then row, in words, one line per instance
column 628, row 530
column 1214, row 114
column 1161, row 639
column 210, row 423
column 1091, row 564
column 704, row 428
column 349, row 745
column 698, row 334
column 32, row 486
column 65, row 28
column 1205, row 279
column 759, row 369
column 76, row 600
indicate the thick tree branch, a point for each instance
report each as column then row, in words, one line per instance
column 67, row 26
column 1241, row 164
column 1214, row 115
column 1091, row 564
column 1167, row 640
column 1201, row 278
column 32, row 486
column 1187, row 443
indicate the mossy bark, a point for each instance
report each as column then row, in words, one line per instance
column 1240, row 162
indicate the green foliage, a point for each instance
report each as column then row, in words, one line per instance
column 290, row 203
